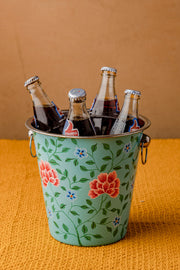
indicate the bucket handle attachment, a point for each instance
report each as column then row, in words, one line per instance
column 30, row 133
column 145, row 141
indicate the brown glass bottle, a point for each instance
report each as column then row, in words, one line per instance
column 105, row 108
column 78, row 122
column 47, row 116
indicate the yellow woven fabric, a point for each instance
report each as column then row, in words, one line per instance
column 152, row 240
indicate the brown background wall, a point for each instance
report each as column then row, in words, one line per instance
column 67, row 42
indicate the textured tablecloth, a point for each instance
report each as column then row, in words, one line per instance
column 152, row 239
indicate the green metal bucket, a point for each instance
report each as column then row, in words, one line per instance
column 87, row 183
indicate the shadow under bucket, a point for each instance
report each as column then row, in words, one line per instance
column 88, row 182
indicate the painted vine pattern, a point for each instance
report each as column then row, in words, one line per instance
column 83, row 229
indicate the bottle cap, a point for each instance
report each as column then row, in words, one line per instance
column 77, row 94
column 133, row 92
column 109, row 69
column 31, row 80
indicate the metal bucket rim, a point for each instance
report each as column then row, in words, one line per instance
column 145, row 119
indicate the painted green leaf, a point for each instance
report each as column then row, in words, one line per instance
column 53, row 208
column 44, row 149
column 52, row 199
column 118, row 211
column 130, row 195
column 103, row 167
column 89, row 202
column 50, row 150
column 93, row 225
column 74, row 141
column 87, row 237
column 65, row 227
column 126, row 221
column 65, row 149
column 74, row 213
column 104, row 212
column 65, row 236
column 108, row 204
column 84, row 206
column 119, row 142
column 127, row 166
column 52, row 142
column 55, row 224
column 61, row 139
column 84, row 229
column 113, row 210
column 115, row 231
column 63, row 188
column 126, row 174
column 83, row 180
column 57, row 232
column 57, row 215
column 83, row 168
column 68, row 159
column 63, row 177
column 90, row 211
column 94, row 147
column 59, row 145
column 117, row 168
column 119, row 152
column 103, row 220
column 123, row 184
column 132, row 138
column 57, row 157
column 106, row 146
column 121, row 197
column 65, row 173
column 127, row 186
column 38, row 146
column 59, row 171
column 125, row 198
column 76, row 188
column 76, row 162
column 74, row 178
column 107, row 158
column 47, row 194
column 130, row 155
column 90, row 162
column 62, row 205
column 124, row 206
column 53, row 162
column 57, row 194
column 92, row 174
column 79, row 221
column 109, row 229
column 46, row 143
column 97, row 236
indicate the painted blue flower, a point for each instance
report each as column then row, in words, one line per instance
column 127, row 147
column 116, row 221
column 80, row 152
column 71, row 195
column 49, row 212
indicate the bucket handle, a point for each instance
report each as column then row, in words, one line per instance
column 145, row 141
column 30, row 133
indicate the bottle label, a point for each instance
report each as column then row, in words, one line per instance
column 69, row 129
column 134, row 125
column 117, row 105
column 59, row 112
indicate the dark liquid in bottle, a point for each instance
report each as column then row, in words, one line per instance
column 47, row 119
column 106, row 108
column 84, row 127
column 103, row 124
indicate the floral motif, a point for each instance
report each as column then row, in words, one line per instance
column 127, row 147
column 105, row 183
column 80, row 152
column 48, row 174
column 49, row 212
column 116, row 221
column 71, row 195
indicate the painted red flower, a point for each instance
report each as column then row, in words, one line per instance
column 48, row 174
column 105, row 183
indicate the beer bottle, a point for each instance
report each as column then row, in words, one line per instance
column 47, row 116
column 78, row 122
column 105, row 108
column 127, row 120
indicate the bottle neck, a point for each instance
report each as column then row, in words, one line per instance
column 78, row 111
column 107, row 88
column 133, row 106
column 39, row 97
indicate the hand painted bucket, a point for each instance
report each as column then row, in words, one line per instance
column 88, row 182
